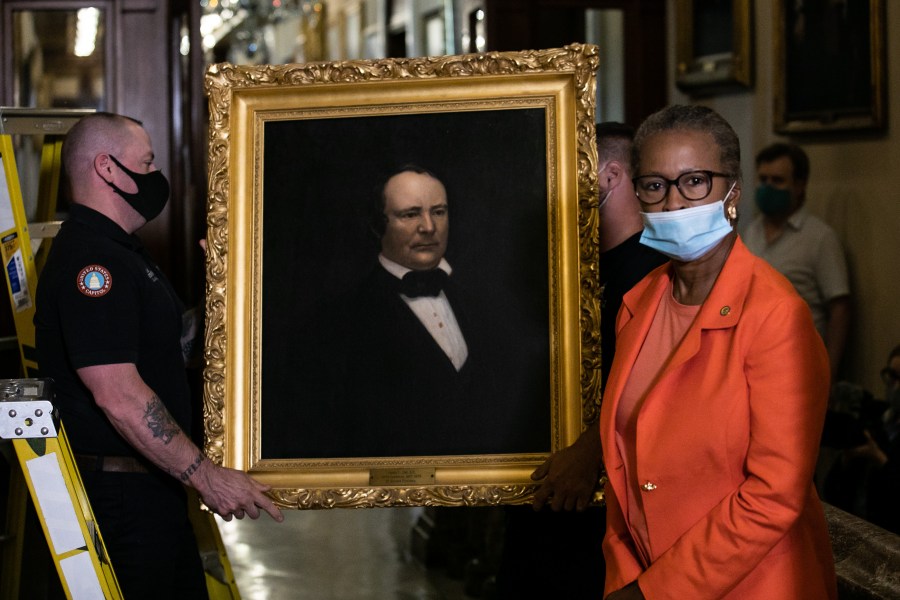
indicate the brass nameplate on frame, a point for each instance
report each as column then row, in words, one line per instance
column 401, row 476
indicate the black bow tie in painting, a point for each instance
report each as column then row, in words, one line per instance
column 423, row 283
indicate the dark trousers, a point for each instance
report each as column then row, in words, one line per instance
column 144, row 522
column 553, row 554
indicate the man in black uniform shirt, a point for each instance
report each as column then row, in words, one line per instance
column 111, row 333
column 568, row 544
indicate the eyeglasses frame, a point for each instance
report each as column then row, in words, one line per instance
column 671, row 182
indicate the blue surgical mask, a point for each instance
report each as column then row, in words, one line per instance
column 689, row 233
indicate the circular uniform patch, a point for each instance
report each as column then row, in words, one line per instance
column 94, row 281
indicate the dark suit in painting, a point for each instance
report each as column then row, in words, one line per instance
column 403, row 396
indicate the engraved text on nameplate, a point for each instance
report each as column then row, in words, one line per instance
column 401, row 476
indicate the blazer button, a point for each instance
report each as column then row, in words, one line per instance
column 649, row 486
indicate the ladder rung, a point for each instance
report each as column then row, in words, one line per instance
column 35, row 121
column 47, row 229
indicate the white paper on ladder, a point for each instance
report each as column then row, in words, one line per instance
column 81, row 577
column 55, row 503
column 7, row 220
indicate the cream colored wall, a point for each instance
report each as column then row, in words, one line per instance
column 854, row 186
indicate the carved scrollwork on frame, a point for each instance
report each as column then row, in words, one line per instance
column 395, row 497
column 222, row 79
column 245, row 102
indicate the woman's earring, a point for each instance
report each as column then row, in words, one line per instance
column 732, row 213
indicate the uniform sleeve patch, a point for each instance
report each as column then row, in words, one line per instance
column 94, row 281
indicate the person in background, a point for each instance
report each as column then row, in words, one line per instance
column 882, row 451
column 799, row 245
column 115, row 338
column 568, row 478
column 841, row 476
column 717, row 395
column 561, row 535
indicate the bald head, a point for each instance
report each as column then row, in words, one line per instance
column 105, row 157
column 98, row 133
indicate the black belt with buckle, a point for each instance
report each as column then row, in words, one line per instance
column 110, row 464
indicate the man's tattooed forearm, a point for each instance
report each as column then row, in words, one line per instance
column 159, row 421
column 192, row 468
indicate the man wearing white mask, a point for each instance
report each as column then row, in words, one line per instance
column 569, row 477
column 561, row 516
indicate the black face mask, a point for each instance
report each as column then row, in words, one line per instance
column 152, row 191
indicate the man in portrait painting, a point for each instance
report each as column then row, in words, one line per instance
column 421, row 368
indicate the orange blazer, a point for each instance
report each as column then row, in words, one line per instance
column 727, row 440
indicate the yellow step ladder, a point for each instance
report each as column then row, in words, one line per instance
column 23, row 261
column 29, row 419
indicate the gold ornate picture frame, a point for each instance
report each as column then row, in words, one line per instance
column 829, row 66
column 714, row 45
column 297, row 155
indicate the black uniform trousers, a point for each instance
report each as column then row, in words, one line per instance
column 143, row 519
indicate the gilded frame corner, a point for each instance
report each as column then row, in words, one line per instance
column 244, row 103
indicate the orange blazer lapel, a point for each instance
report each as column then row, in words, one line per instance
column 632, row 325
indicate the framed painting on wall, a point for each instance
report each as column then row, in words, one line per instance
column 829, row 61
column 714, row 48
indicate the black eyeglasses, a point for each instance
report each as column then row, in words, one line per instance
column 890, row 376
column 693, row 185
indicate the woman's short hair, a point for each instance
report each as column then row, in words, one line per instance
column 683, row 117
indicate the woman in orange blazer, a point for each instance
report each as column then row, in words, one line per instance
column 717, row 395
